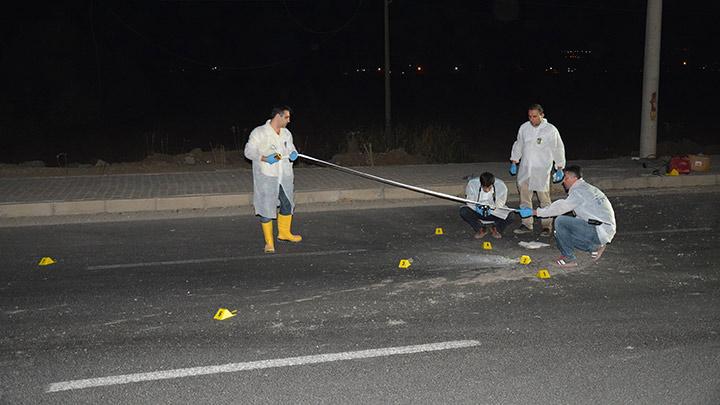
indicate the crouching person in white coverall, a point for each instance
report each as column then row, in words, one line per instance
column 271, row 149
column 593, row 225
column 537, row 147
column 490, row 210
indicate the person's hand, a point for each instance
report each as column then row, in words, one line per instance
column 558, row 176
column 482, row 210
column 272, row 158
column 525, row 212
column 293, row 156
column 513, row 168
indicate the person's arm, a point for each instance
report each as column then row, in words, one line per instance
column 471, row 193
column 558, row 207
column 516, row 151
column 559, row 152
column 501, row 195
column 251, row 147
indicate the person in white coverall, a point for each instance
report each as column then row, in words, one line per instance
column 490, row 210
column 271, row 149
column 537, row 148
column 593, row 225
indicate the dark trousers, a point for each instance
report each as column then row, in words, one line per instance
column 470, row 216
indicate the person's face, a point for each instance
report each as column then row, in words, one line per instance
column 284, row 118
column 487, row 189
column 569, row 180
column 535, row 117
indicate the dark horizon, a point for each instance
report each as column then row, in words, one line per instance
column 97, row 80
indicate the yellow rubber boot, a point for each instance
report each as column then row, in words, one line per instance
column 284, row 224
column 267, row 228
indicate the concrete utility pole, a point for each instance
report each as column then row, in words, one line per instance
column 388, row 119
column 651, row 79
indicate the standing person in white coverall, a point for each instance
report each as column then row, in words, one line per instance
column 271, row 149
column 593, row 225
column 537, row 148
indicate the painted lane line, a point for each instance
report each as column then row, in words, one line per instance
column 669, row 230
column 220, row 259
column 256, row 365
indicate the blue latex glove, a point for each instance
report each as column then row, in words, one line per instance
column 481, row 210
column 513, row 168
column 525, row 212
column 293, row 156
column 272, row 158
column 558, row 176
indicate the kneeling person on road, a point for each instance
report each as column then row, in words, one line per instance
column 491, row 195
column 593, row 225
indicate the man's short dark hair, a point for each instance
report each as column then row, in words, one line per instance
column 537, row 107
column 279, row 110
column 575, row 170
column 487, row 179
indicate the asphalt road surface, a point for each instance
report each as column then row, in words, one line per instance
column 125, row 315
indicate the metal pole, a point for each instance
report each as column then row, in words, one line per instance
column 388, row 119
column 651, row 79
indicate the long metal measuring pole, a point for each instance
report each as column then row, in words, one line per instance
column 392, row 182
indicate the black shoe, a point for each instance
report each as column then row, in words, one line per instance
column 522, row 230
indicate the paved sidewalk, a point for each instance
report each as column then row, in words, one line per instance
column 53, row 196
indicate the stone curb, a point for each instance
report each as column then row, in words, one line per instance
column 202, row 202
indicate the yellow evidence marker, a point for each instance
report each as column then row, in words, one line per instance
column 487, row 245
column 404, row 264
column 46, row 261
column 438, row 231
column 525, row 259
column 224, row 313
column 543, row 273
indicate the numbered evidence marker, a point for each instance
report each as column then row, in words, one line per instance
column 46, row 261
column 438, row 231
column 543, row 273
column 404, row 264
column 487, row 245
column 525, row 259
column 224, row 313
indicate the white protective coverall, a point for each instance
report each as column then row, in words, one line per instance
column 268, row 178
column 536, row 148
column 473, row 191
column 588, row 202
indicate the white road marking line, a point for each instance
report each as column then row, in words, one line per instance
column 669, row 230
column 256, row 365
column 220, row 259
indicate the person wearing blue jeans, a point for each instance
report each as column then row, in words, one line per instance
column 593, row 225
column 272, row 151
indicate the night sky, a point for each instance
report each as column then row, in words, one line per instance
column 93, row 79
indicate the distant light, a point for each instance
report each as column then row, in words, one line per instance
column 357, row 70
column 363, row 69
column 684, row 63
column 379, row 70
column 214, row 68
column 456, row 68
column 419, row 68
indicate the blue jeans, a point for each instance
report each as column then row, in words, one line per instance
column 285, row 207
column 574, row 233
column 471, row 216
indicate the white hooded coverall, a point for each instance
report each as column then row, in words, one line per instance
column 267, row 178
column 474, row 191
column 588, row 202
column 536, row 148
